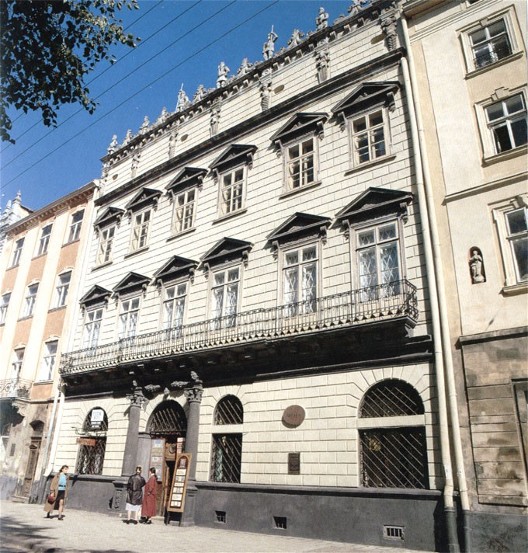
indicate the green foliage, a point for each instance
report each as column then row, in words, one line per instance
column 48, row 48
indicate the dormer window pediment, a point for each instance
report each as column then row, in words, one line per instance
column 188, row 177
column 225, row 250
column 132, row 282
column 175, row 268
column 96, row 295
column 109, row 216
column 236, row 154
column 299, row 226
column 145, row 197
column 300, row 125
column 375, row 203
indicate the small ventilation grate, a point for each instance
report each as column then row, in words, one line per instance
column 281, row 522
column 394, row 532
column 220, row 516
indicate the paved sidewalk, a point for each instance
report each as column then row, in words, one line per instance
column 25, row 528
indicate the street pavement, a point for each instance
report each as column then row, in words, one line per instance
column 25, row 528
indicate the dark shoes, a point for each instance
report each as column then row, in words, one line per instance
column 61, row 517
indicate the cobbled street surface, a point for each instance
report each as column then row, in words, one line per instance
column 25, row 528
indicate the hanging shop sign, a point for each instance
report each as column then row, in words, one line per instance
column 90, row 442
column 293, row 416
column 179, row 483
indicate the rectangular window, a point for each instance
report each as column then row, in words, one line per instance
column 224, row 297
column 106, row 240
column 232, row 191
column 490, row 44
column 4, row 304
column 184, row 209
column 517, row 237
column 48, row 361
column 75, row 226
column 174, row 306
column 369, row 136
column 301, row 164
column 61, row 291
column 128, row 318
column 16, row 366
column 44, row 240
column 300, row 280
column 31, row 296
column 378, row 261
column 507, row 121
column 226, row 459
column 19, row 244
column 92, row 326
column 140, row 229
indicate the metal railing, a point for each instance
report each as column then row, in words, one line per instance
column 356, row 307
column 15, row 388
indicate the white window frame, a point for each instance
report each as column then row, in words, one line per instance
column 18, row 361
column 174, row 296
column 226, row 202
column 49, row 358
column 45, row 235
column 105, row 244
column 368, row 132
column 128, row 318
column 184, row 213
column 62, row 288
column 75, row 226
column 293, row 308
column 467, row 46
column 512, row 280
column 4, row 306
column 30, row 299
column 140, row 229
column 300, row 160
column 92, row 327
column 17, row 252
column 224, row 318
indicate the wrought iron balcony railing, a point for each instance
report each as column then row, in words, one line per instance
column 377, row 303
column 15, row 388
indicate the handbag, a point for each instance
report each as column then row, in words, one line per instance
column 51, row 498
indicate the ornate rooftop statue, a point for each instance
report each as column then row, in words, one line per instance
column 128, row 137
column 183, row 100
column 296, row 38
column 145, row 125
column 163, row 115
column 113, row 145
column 223, row 70
column 244, row 68
column 269, row 46
column 322, row 19
column 199, row 94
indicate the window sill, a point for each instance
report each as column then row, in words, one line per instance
column 70, row 243
column 39, row 255
column 183, row 233
column 503, row 61
column 514, row 289
column 230, row 215
column 299, row 190
column 105, row 264
column 13, row 266
column 136, row 252
column 503, row 156
column 48, row 381
column 25, row 318
column 58, row 308
column 369, row 164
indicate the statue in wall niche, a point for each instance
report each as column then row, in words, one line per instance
column 113, row 145
column 135, row 164
column 322, row 19
column 223, row 70
column 215, row 120
column 172, row 143
column 183, row 100
column 269, row 46
column 296, row 38
column 389, row 28
column 244, row 68
column 322, row 63
column 476, row 266
column 265, row 94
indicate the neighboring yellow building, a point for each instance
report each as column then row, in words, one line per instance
column 39, row 274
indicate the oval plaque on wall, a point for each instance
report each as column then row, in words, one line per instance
column 293, row 416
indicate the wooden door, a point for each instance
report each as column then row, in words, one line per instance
column 31, row 467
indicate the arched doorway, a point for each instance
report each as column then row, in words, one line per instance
column 167, row 427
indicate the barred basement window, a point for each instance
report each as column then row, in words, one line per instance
column 229, row 411
column 394, row 454
column 92, row 443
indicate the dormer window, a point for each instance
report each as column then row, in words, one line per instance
column 299, row 145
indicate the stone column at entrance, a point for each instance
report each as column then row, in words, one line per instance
column 193, row 393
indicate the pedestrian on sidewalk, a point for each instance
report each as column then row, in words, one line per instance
column 134, row 495
column 57, row 494
column 148, row 508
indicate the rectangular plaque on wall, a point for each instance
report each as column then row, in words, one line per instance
column 179, row 483
column 294, row 463
column 157, row 447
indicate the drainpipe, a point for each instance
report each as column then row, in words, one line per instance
column 444, row 324
column 45, row 472
column 49, row 467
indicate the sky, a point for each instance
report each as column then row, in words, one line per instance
column 182, row 44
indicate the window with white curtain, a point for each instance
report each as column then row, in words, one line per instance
column 48, row 361
column 140, row 229
column 104, row 249
column 300, row 280
column 174, row 305
column 224, row 297
column 128, row 318
column 184, row 210
column 61, row 291
column 232, row 191
column 4, row 304
column 17, row 252
column 75, row 226
column 92, row 327
column 31, row 298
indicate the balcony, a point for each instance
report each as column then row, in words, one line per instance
column 14, row 388
column 396, row 300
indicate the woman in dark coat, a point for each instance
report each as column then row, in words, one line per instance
column 148, row 508
column 134, row 495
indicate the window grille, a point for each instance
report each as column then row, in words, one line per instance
column 226, row 458
column 394, row 532
column 391, row 398
column 229, row 411
column 220, row 516
column 91, row 457
column 168, row 418
column 281, row 523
